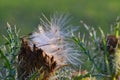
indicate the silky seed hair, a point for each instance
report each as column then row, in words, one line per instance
column 52, row 37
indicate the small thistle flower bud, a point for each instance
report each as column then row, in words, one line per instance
column 111, row 44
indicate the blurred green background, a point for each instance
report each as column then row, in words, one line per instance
column 25, row 14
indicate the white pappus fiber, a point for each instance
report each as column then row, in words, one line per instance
column 53, row 37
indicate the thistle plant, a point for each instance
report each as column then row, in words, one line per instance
column 55, row 51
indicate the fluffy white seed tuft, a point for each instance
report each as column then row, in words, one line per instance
column 52, row 37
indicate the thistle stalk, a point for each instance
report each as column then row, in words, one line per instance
column 116, row 76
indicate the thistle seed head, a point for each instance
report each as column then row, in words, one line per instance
column 48, row 47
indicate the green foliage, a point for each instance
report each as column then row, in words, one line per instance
column 8, row 54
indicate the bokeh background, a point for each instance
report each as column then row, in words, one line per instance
column 25, row 14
